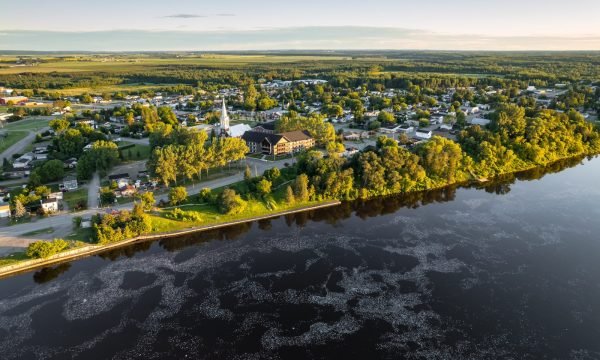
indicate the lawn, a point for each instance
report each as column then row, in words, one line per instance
column 13, row 258
column 72, row 198
column 11, row 138
column 28, row 124
column 137, row 152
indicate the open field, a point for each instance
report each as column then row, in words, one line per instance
column 141, row 63
column 137, row 152
column 73, row 197
column 29, row 124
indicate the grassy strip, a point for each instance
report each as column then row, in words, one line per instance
column 11, row 138
column 137, row 152
column 48, row 230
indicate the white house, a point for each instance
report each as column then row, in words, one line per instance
column 447, row 127
column 238, row 130
column 50, row 205
column 423, row 134
column 406, row 129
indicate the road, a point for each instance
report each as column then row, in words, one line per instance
column 10, row 236
column 19, row 146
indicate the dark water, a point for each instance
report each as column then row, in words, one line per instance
column 511, row 271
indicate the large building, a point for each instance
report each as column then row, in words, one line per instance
column 14, row 100
column 278, row 144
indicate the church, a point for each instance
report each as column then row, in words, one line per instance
column 230, row 131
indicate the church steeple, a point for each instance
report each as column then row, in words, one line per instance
column 224, row 118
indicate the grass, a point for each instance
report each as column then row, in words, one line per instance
column 81, row 234
column 28, row 124
column 11, row 138
column 138, row 152
column 212, row 216
column 48, row 230
column 73, row 197
column 13, row 258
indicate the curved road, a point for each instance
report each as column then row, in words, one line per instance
column 11, row 239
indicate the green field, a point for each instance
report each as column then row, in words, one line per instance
column 142, row 63
column 138, row 152
column 73, row 197
column 29, row 124
column 11, row 138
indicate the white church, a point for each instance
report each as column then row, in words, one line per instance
column 231, row 131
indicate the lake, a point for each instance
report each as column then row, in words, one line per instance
column 507, row 270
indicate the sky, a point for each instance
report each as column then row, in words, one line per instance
column 186, row 25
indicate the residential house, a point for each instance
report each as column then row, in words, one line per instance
column 69, row 184
column 122, row 180
column 423, row 134
column 50, row 205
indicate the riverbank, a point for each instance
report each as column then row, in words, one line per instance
column 33, row 264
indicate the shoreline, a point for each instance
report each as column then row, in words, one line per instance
column 89, row 250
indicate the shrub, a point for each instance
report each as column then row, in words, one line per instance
column 178, row 214
column 45, row 249
column 231, row 203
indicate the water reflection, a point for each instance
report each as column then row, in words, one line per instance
column 363, row 209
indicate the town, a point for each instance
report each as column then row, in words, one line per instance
column 72, row 164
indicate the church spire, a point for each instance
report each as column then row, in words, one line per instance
column 224, row 118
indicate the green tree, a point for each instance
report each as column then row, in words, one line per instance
column 147, row 200
column 289, row 195
column 177, row 195
column 231, row 203
column 386, row 117
column 20, row 210
column 59, row 125
column 264, row 187
column 301, row 188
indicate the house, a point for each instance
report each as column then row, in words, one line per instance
column 480, row 121
column 49, row 205
column 122, row 180
column 5, row 116
column 56, row 195
column 4, row 211
column 128, row 190
column 70, row 163
column 7, row 100
column 278, row 144
column 405, row 129
column 423, row 134
column 390, row 129
column 352, row 136
column 350, row 151
column 446, row 127
column 268, row 127
column 69, row 184
column 23, row 161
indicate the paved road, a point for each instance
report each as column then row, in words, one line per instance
column 93, row 188
column 62, row 224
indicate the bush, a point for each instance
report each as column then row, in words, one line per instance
column 178, row 214
column 231, row 203
column 45, row 249
column 177, row 195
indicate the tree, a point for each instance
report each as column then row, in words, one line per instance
column 289, row 195
column 45, row 249
column 107, row 196
column 386, row 117
column 301, row 188
column 165, row 165
column 70, row 143
column 86, row 99
column 20, row 210
column 52, row 170
column 59, row 125
column 147, row 200
column 247, row 174
column 177, row 195
column 231, row 203
column 272, row 174
column 264, row 187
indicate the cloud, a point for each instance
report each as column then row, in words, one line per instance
column 185, row 16
column 293, row 38
column 226, row 14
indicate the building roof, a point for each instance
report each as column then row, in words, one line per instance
column 257, row 137
column 268, row 125
column 238, row 130
column 298, row 135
